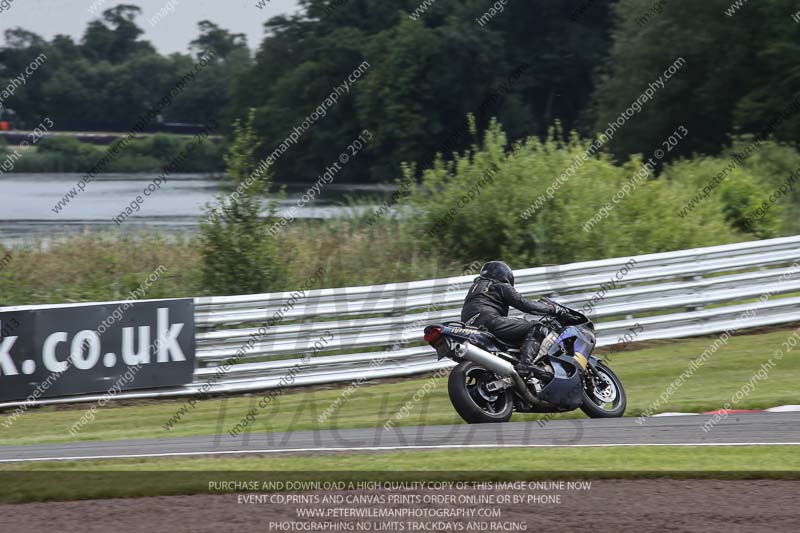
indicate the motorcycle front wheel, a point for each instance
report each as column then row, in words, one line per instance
column 603, row 395
column 473, row 402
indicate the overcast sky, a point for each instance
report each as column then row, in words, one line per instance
column 171, row 34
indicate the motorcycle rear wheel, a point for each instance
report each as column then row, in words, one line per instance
column 476, row 405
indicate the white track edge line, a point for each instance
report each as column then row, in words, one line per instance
column 386, row 448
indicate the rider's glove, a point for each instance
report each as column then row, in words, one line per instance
column 563, row 316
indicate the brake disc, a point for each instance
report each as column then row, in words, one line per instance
column 608, row 393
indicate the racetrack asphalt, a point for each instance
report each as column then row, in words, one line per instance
column 735, row 430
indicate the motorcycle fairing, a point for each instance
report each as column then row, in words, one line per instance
column 476, row 336
column 569, row 363
column 565, row 390
column 575, row 339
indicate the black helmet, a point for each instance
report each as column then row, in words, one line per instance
column 498, row 271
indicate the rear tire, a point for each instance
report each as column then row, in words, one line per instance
column 466, row 387
column 593, row 404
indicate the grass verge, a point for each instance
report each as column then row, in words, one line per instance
column 152, row 477
column 646, row 373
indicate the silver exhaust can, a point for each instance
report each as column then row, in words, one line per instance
column 499, row 366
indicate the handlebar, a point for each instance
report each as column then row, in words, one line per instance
column 583, row 319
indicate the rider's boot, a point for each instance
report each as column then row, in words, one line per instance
column 527, row 353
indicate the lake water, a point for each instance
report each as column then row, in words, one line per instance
column 27, row 201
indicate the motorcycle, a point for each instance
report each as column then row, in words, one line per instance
column 485, row 387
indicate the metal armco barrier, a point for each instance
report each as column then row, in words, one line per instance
column 250, row 342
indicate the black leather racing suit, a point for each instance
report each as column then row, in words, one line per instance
column 487, row 304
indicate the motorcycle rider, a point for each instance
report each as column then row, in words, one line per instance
column 487, row 304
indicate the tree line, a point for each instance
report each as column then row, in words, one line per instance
column 536, row 66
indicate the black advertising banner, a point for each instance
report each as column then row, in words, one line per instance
column 96, row 348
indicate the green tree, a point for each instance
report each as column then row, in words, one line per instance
column 530, row 65
column 113, row 76
column 218, row 41
column 740, row 72
column 471, row 208
column 239, row 255
column 115, row 38
column 206, row 99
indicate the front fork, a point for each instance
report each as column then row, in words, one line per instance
column 592, row 369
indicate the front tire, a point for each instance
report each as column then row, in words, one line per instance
column 476, row 405
column 608, row 400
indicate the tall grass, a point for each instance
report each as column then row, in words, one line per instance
column 439, row 234
column 98, row 267
column 93, row 267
